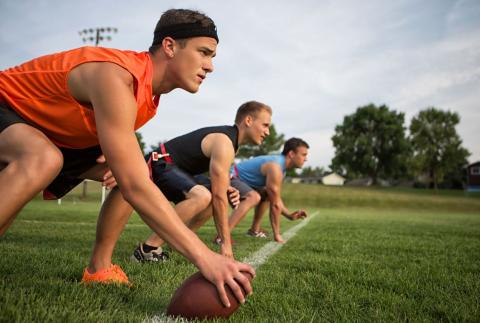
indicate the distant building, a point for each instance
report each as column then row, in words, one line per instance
column 333, row 179
column 330, row 179
column 473, row 177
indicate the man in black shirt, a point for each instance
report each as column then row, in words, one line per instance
column 177, row 162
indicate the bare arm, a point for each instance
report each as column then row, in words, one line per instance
column 108, row 88
column 285, row 211
column 220, row 150
column 274, row 176
column 295, row 215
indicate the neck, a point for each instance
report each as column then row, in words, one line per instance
column 242, row 138
column 288, row 163
column 160, row 80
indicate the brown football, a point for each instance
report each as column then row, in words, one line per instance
column 198, row 298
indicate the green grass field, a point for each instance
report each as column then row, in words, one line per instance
column 368, row 255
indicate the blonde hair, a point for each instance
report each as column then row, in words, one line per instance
column 252, row 108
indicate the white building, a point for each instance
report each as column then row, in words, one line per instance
column 333, row 179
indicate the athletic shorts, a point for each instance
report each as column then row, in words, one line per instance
column 75, row 161
column 173, row 181
column 244, row 188
column 8, row 117
column 235, row 182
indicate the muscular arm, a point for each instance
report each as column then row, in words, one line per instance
column 274, row 176
column 220, row 150
column 108, row 88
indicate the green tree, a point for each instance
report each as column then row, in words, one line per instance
column 273, row 143
column 141, row 143
column 437, row 148
column 371, row 142
column 312, row 172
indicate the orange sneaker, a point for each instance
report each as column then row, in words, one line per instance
column 113, row 274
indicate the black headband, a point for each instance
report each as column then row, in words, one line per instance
column 180, row 31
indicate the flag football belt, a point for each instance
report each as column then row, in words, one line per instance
column 235, row 172
column 155, row 156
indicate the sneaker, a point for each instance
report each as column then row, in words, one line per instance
column 156, row 255
column 218, row 241
column 256, row 234
column 265, row 232
column 111, row 275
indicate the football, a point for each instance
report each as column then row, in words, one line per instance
column 198, row 298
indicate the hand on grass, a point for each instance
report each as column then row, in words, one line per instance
column 299, row 214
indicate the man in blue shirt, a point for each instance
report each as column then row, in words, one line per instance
column 261, row 183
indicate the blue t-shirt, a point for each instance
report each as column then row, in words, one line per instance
column 249, row 170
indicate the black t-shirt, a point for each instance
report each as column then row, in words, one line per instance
column 186, row 150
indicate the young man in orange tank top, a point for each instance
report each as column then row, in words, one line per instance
column 112, row 96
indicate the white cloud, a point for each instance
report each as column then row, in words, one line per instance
column 312, row 61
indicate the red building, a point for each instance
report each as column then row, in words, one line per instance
column 473, row 177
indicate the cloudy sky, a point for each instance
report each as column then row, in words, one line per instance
column 313, row 61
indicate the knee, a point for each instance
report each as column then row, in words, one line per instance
column 201, row 195
column 49, row 160
column 252, row 198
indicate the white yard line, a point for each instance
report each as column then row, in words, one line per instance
column 259, row 257
column 255, row 260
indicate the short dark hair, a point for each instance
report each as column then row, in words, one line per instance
column 250, row 108
column 176, row 17
column 293, row 144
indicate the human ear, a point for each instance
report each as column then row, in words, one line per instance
column 168, row 45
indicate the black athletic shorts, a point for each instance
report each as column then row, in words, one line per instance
column 8, row 117
column 174, row 182
column 75, row 161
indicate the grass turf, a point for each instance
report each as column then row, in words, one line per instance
column 368, row 255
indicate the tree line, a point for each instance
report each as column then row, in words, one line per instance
column 372, row 142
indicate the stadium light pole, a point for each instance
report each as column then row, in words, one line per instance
column 96, row 35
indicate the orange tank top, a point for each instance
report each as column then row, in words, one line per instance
column 37, row 90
